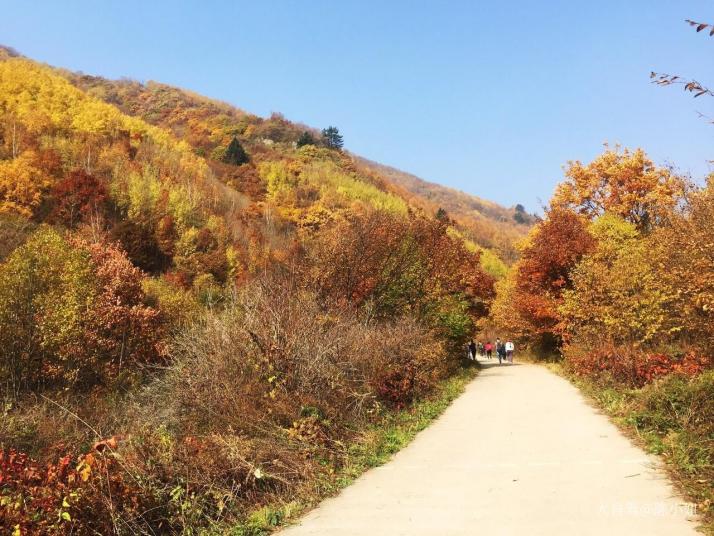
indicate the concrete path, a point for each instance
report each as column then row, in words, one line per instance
column 520, row 452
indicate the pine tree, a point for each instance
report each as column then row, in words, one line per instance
column 332, row 138
column 305, row 139
column 235, row 154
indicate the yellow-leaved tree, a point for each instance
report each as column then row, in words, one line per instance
column 618, row 295
column 22, row 184
column 622, row 182
column 686, row 252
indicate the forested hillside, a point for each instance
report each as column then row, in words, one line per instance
column 485, row 222
column 202, row 311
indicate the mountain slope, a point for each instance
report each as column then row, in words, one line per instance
column 208, row 124
column 487, row 223
column 229, row 310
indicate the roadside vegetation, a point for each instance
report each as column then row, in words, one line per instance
column 616, row 282
column 672, row 417
column 374, row 446
column 205, row 314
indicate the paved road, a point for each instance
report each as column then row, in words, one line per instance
column 520, row 452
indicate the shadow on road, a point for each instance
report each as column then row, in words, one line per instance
column 489, row 363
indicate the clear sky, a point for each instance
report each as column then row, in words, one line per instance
column 488, row 96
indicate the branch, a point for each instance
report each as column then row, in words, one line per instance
column 689, row 85
column 701, row 26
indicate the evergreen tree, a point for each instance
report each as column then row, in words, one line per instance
column 305, row 139
column 235, row 154
column 332, row 138
column 442, row 215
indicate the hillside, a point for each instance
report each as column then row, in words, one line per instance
column 203, row 312
column 207, row 125
column 485, row 222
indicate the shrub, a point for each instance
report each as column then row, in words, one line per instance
column 83, row 495
column 633, row 367
column 78, row 196
column 45, row 288
column 71, row 313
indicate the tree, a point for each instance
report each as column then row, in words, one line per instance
column 617, row 295
column 554, row 248
column 78, row 196
column 235, row 154
column 141, row 246
column 305, row 139
column 520, row 214
column 686, row 261
column 45, row 292
column 72, row 313
column 119, row 328
column 442, row 215
column 624, row 183
column 395, row 265
column 22, row 184
column 332, row 138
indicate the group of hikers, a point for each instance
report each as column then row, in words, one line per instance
column 504, row 350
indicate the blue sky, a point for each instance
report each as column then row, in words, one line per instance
column 490, row 97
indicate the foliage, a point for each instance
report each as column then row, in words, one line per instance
column 140, row 245
column 624, row 183
column 77, row 197
column 72, row 313
column 14, row 230
column 305, row 139
column 252, row 287
column 543, row 273
column 617, row 295
column 686, row 264
column 45, row 290
column 74, row 495
column 179, row 307
column 332, row 138
column 235, row 154
column 396, row 266
column 22, row 184
column 489, row 259
column 486, row 223
column 631, row 366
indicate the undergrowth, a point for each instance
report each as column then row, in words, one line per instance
column 373, row 447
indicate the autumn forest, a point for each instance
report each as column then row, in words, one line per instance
column 205, row 314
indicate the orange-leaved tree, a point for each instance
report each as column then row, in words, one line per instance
column 623, row 182
column 543, row 272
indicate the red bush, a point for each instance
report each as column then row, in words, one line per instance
column 635, row 368
column 397, row 386
column 82, row 495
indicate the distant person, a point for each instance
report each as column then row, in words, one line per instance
column 481, row 349
column 472, row 349
column 489, row 349
column 510, row 347
column 500, row 350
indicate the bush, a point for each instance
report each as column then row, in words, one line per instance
column 679, row 413
column 72, row 314
column 83, row 495
column 633, row 367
